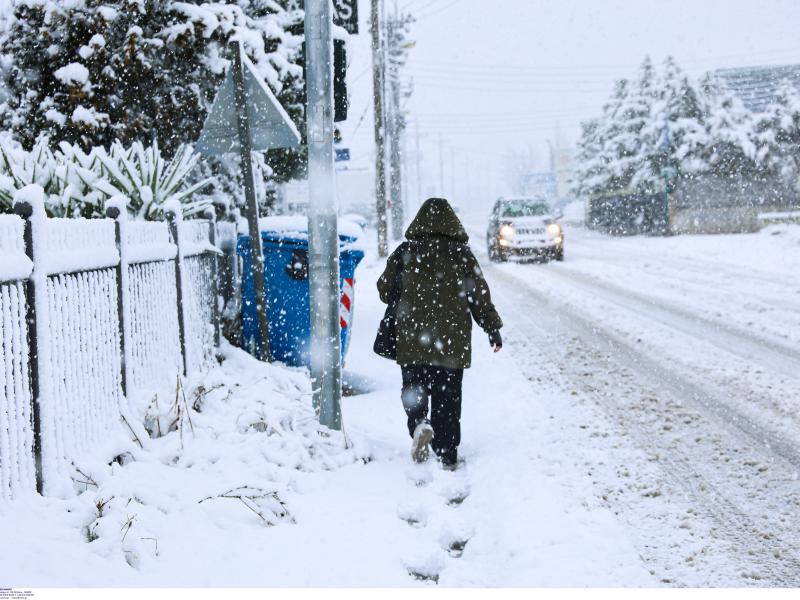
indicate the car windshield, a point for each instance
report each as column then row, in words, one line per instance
column 523, row 209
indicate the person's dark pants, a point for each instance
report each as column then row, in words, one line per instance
column 442, row 386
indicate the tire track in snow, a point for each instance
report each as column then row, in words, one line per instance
column 772, row 354
column 741, row 522
column 594, row 248
column 774, row 294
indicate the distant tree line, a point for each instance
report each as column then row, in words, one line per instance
column 663, row 124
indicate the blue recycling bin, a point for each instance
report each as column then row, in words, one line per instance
column 287, row 292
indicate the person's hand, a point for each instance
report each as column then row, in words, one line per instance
column 495, row 340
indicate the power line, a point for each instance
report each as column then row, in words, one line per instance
column 503, row 129
column 522, row 88
column 435, row 11
column 791, row 53
column 431, row 3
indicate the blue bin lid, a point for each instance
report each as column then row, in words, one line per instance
column 293, row 230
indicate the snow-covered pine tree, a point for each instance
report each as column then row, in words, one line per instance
column 634, row 143
column 606, row 174
column 777, row 133
column 587, row 168
column 676, row 132
column 731, row 151
column 93, row 71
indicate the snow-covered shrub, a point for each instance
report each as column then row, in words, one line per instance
column 146, row 178
column 19, row 168
column 78, row 184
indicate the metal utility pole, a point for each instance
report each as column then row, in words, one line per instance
column 256, row 250
column 380, row 151
column 323, row 235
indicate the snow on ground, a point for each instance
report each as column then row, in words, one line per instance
column 638, row 429
column 250, row 494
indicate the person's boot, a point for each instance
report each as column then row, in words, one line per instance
column 423, row 434
column 449, row 459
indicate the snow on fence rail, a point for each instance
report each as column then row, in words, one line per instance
column 16, row 432
column 91, row 316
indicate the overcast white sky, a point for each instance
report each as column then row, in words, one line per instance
column 500, row 74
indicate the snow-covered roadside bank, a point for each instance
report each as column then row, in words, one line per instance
column 198, row 509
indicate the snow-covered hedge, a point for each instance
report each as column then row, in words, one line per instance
column 78, row 184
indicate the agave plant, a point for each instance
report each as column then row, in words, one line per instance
column 19, row 168
column 147, row 179
column 77, row 184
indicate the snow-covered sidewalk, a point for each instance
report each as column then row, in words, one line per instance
column 251, row 494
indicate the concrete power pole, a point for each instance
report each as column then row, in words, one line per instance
column 323, row 235
column 404, row 155
column 378, row 57
column 395, row 176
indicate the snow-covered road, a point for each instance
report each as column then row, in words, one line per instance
column 681, row 360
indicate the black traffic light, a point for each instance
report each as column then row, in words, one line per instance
column 341, row 101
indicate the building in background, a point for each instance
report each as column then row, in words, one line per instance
column 539, row 183
column 564, row 167
column 757, row 87
column 355, row 190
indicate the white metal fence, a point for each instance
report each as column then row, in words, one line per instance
column 93, row 313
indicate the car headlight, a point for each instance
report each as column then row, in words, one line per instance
column 554, row 229
column 507, row 231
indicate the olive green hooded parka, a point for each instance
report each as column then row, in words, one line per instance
column 441, row 290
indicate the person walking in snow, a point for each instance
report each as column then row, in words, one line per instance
column 434, row 287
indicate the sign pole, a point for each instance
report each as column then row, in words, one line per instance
column 256, row 250
column 323, row 235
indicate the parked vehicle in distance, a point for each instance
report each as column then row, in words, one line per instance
column 524, row 227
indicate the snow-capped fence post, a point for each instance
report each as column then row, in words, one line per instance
column 174, row 216
column 113, row 211
column 24, row 208
column 211, row 215
column 229, row 275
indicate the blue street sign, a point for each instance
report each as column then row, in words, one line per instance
column 342, row 154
